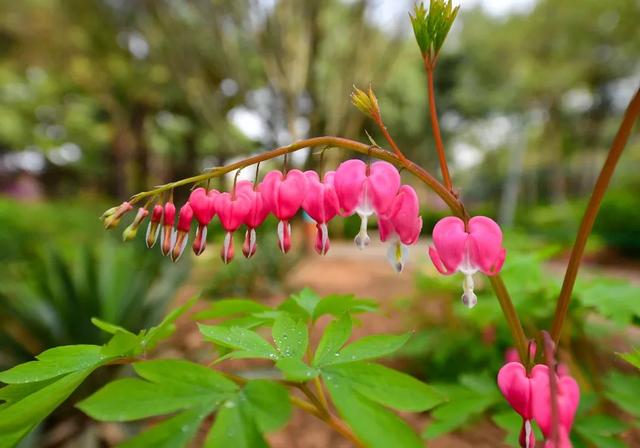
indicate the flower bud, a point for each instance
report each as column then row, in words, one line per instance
column 132, row 230
column 168, row 233
column 113, row 216
column 154, row 226
column 184, row 225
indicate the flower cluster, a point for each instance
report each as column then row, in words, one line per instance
column 355, row 187
column 529, row 394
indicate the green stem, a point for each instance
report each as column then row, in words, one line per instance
column 618, row 145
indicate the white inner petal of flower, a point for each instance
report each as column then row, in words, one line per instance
column 362, row 239
column 227, row 243
column 365, row 207
column 397, row 254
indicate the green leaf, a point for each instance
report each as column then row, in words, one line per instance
column 291, row 336
column 108, row 327
column 123, row 344
column 615, row 299
column 233, row 428
column 374, row 425
column 387, row 386
column 600, row 430
column 307, row 300
column 370, row 347
column 464, row 403
column 172, row 385
column 176, row 431
column 335, row 336
column 248, row 342
column 268, row 402
column 180, row 372
column 166, row 328
column 297, row 370
column 231, row 307
column 632, row 358
column 624, row 391
column 337, row 305
column 28, row 411
column 54, row 362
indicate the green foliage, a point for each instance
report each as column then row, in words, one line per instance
column 632, row 358
column 54, row 297
column 618, row 209
column 36, row 388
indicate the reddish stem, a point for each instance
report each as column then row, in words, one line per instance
column 618, row 145
column 435, row 126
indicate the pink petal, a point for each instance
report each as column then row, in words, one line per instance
column 232, row 211
column 284, row 194
column 568, row 399
column 485, row 244
column 515, row 385
column 349, row 182
column 259, row 209
column 185, row 217
column 321, row 201
column 449, row 239
column 383, row 184
column 385, row 228
column 404, row 214
column 203, row 204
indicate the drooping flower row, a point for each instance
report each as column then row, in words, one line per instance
column 353, row 188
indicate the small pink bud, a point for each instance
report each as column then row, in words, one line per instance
column 154, row 225
column 168, row 233
column 182, row 235
column 113, row 216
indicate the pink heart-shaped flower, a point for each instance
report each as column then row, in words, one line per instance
column 203, row 204
column 284, row 194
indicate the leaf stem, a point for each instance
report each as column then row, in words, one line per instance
column 618, row 145
column 435, row 126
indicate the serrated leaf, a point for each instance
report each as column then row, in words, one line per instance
column 373, row 424
column 231, row 307
column 176, row 431
column 334, row 337
column 387, row 386
column 268, row 402
column 54, row 362
column 296, row 370
column 291, row 336
column 249, row 342
column 337, row 305
column 615, row 299
column 370, row 347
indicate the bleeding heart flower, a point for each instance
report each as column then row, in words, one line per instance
column 132, row 229
column 516, row 386
column 476, row 248
column 284, row 195
column 202, row 203
column 184, row 225
column 258, row 212
column 321, row 203
column 402, row 225
column 366, row 190
column 168, row 233
column 232, row 210
column 567, row 399
column 154, row 226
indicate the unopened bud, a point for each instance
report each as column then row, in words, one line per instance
column 113, row 216
column 154, row 225
column 184, row 225
column 168, row 233
column 132, row 230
